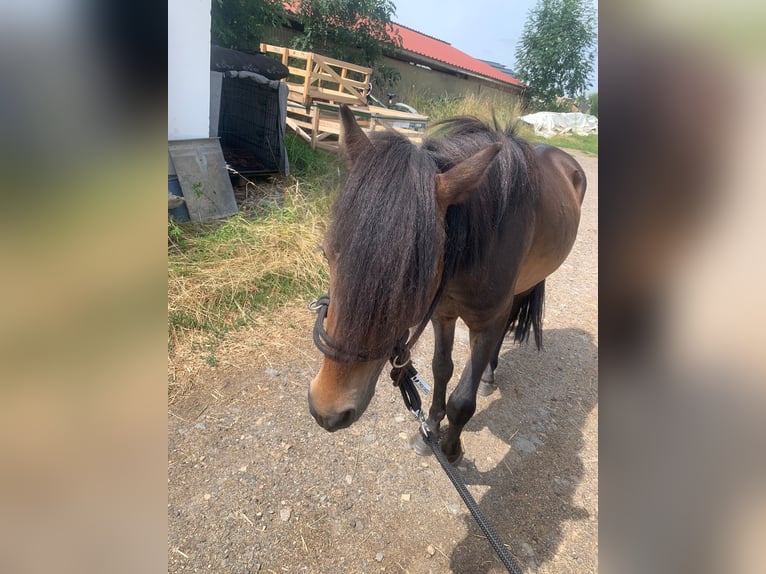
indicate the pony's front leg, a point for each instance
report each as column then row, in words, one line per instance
column 462, row 401
column 444, row 337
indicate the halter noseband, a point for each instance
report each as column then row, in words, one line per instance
column 399, row 355
column 329, row 346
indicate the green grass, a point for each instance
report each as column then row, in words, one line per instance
column 588, row 143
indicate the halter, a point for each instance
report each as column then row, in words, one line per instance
column 399, row 355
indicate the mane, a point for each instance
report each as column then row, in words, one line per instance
column 511, row 186
column 387, row 232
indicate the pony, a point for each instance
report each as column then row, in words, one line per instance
column 467, row 225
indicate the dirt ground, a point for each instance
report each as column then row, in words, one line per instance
column 255, row 485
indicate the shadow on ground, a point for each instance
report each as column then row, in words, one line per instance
column 545, row 399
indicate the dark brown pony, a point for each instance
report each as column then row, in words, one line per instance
column 481, row 211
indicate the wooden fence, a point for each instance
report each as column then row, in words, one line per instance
column 318, row 85
column 316, row 77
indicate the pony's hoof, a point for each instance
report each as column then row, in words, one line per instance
column 455, row 459
column 486, row 388
column 419, row 445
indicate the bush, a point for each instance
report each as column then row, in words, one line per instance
column 593, row 98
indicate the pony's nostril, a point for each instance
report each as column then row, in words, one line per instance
column 340, row 420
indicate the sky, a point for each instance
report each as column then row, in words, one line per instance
column 484, row 29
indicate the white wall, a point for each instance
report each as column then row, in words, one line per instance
column 188, row 69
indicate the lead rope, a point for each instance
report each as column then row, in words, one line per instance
column 406, row 378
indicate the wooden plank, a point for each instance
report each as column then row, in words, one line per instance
column 300, row 123
column 342, row 64
column 292, row 124
column 326, row 126
column 281, row 49
column 297, row 71
column 314, row 127
column 395, row 114
column 299, row 111
column 333, row 96
column 307, row 81
column 340, row 80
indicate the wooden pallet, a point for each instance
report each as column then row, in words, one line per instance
column 320, row 124
column 316, row 77
column 318, row 85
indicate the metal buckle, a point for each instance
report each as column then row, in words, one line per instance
column 395, row 360
column 315, row 305
column 423, row 424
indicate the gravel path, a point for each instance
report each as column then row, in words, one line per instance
column 256, row 486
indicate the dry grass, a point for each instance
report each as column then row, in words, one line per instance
column 223, row 276
column 505, row 108
column 231, row 282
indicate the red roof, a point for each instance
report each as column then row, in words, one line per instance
column 418, row 43
column 414, row 41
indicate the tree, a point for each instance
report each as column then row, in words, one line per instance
column 352, row 30
column 557, row 49
column 239, row 24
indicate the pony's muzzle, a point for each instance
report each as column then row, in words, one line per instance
column 333, row 421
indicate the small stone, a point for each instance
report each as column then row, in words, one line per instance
column 424, row 464
column 272, row 372
column 524, row 445
column 200, row 426
column 527, row 549
column 379, row 557
column 403, row 436
column 243, row 468
column 349, row 479
column 285, row 513
column 207, row 496
column 399, row 419
column 431, row 550
column 406, row 497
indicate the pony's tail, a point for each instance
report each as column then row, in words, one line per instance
column 530, row 316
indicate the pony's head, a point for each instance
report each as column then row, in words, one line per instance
column 385, row 249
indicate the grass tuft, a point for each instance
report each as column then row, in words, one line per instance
column 222, row 275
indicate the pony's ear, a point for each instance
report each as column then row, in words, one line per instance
column 455, row 185
column 353, row 141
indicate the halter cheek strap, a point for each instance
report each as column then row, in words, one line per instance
column 399, row 356
column 329, row 346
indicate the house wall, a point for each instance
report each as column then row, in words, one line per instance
column 435, row 83
column 188, row 69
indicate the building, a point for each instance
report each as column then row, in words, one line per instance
column 435, row 67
